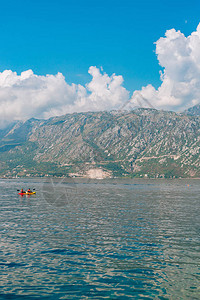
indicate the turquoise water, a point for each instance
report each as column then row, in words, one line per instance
column 111, row 239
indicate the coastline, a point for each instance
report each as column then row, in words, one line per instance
column 99, row 179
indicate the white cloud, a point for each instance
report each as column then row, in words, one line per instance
column 29, row 95
column 180, row 58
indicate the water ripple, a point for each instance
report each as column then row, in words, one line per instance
column 114, row 240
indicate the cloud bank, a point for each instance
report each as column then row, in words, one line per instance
column 179, row 56
column 28, row 95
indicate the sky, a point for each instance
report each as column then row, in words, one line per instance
column 64, row 56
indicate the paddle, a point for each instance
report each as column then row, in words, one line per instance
column 20, row 190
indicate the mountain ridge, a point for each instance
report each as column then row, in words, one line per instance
column 193, row 111
column 141, row 143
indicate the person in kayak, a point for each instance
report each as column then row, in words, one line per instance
column 29, row 191
column 22, row 191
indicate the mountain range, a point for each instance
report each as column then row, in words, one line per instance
column 139, row 143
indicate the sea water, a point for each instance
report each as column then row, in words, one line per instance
column 100, row 239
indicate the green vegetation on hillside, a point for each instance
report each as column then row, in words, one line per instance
column 140, row 143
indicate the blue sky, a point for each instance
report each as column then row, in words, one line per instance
column 70, row 36
column 59, row 57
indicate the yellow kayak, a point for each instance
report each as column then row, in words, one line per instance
column 32, row 193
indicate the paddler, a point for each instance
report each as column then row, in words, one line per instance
column 29, row 191
column 22, row 191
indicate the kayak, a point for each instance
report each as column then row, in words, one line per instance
column 32, row 193
column 27, row 193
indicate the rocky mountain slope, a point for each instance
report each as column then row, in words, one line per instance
column 193, row 111
column 143, row 142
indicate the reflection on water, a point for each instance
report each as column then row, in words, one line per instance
column 111, row 239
